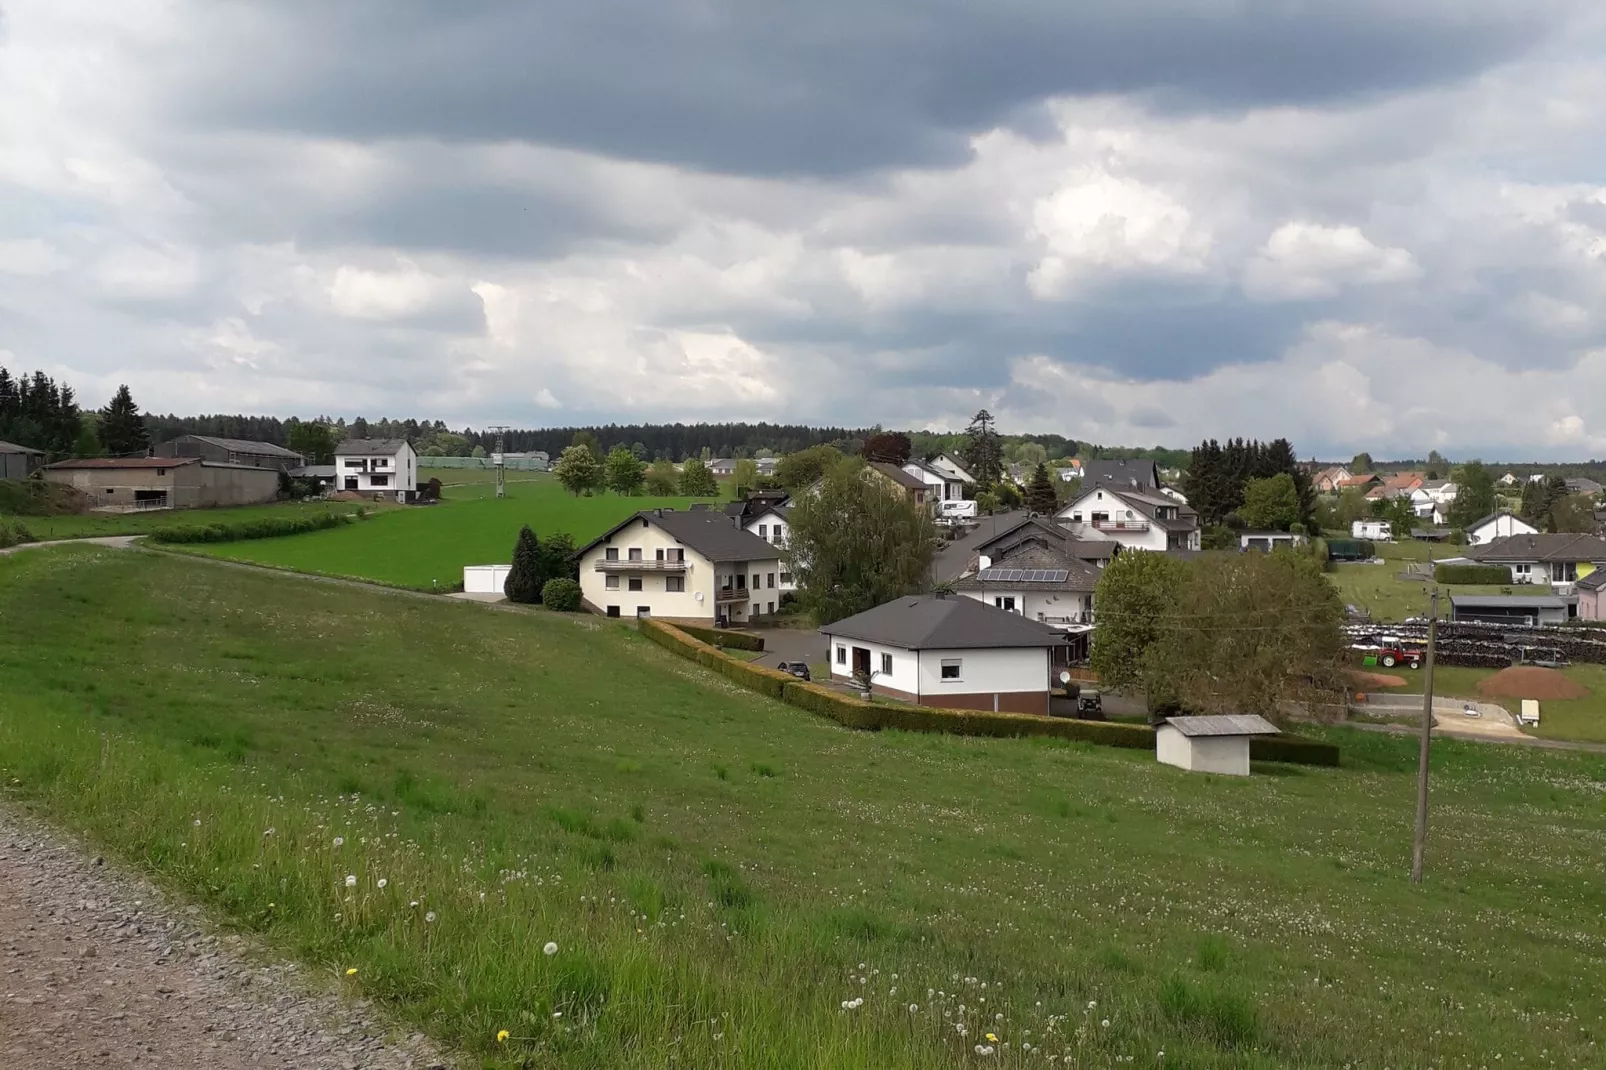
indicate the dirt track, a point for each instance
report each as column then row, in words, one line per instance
column 100, row 971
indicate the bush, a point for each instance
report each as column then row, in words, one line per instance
column 1487, row 574
column 562, row 595
column 266, row 527
column 13, row 534
column 724, row 639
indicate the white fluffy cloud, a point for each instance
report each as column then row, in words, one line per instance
column 1307, row 260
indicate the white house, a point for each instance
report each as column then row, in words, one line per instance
column 1432, row 500
column 945, row 478
column 376, row 466
column 1138, row 520
column 770, row 523
column 1217, row 744
column 950, row 652
column 1498, row 525
column 1372, row 530
column 698, row 566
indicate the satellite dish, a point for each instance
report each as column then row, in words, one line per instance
column 1065, row 676
column 698, row 596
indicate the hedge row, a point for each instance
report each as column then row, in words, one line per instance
column 854, row 712
column 265, row 527
column 723, row 639
column 1486, row 574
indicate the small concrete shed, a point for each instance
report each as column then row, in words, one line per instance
column 1210, row 744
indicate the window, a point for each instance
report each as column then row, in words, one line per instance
column 675, row 584
column 613, row 611
column 841, row 655
column 741, row 582
column 1005, row 602
column 769, row 581
column 757, row 608
column 886, row 664
column 786, row 577
column 676, row 554
column 611, row 582
column 635, row 583
column 635, row 553
column 379, row 481
column 756, row 584
column 611, row 553
column 660, row 554
column 950, row 668
column 764, row 532
column 161, row 471
column 771, row 607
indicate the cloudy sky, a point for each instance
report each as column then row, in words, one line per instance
column 1360, row 224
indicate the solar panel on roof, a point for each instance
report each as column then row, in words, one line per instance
column 1059, row 575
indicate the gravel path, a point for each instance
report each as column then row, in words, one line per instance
column 97, row 969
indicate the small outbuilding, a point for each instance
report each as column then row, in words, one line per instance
column 19, row 462
column 485, row 579
column 1218, row 744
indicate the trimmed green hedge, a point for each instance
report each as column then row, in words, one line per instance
column 724, row 639
column 854, row 712
column 1486, row 574
column 266, row 527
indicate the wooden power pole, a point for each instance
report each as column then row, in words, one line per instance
column 1419, row 846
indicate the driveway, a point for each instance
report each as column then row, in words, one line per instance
column 790, row 644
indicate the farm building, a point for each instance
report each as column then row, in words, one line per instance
column 952, row 652
column 698, row 566
column 237, row 451
column 129, row 484
column 19, row 462
column 1217, row 744
column 1512, row 608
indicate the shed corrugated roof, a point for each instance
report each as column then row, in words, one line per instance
column 1227, row 724
column 12, row 447
column 245, row 445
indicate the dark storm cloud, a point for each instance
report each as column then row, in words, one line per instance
column 829, row 87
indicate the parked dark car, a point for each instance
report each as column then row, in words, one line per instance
column 1090, row 705
column 798, row 669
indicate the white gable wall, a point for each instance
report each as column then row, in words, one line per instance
column 1050, row 606
column 1228, row 755
column 1498, row 528
column 1080, row 512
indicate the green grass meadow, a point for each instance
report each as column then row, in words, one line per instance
column 429, row 792
column 427, row 546
column 90, row 525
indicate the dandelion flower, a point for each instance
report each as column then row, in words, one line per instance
column 197, row 822
column 557, row 1014
column 551, row 948
column 340, row 841
column 351, row 880
column 914, row 1008
column 429, row 917
column 502, row 1035
column 382, row 882
column 998, row 1017
column 351, row 971
column 1092, row 1003
column 1105, row 1024
column 993, row 1037
column 267, row 832
column 413, row 905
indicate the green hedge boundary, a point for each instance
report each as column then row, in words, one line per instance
column 267, row 527
column 853, row 712
column 723, row 639
column 1486, row 574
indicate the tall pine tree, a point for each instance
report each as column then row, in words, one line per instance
column 528, row 574
column 122, row 428
column 1040, row 497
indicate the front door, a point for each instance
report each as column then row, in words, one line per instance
column 351, row 482
column 861, row 662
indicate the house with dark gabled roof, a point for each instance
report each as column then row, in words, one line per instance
column 1498, row 525
column 386, row 466
column 698, row 566
column 1133, row 475
column 1138, row 520
column 1040, row 579
column 950, row 652
column 1544, row 558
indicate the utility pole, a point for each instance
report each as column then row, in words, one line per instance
column 1419, row 846
column 499, row 460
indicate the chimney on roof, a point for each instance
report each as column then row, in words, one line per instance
column 658, row 513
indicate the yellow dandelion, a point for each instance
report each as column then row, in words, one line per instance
column 993, row 1037
column 351, row 972
column 502, row 1035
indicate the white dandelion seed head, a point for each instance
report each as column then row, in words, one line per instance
column 914, row 1008
column 382, row 882
column 1105, row 1024
column 351, row 880
column 998, row 1017
column 197, row 822
column 551, row 948
column 412, row 904
column 1092, row 1003
column 557, row 1014
column 429, row 916
column 267, row 832
column 340, row 841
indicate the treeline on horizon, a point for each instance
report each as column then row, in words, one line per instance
column 673, row 442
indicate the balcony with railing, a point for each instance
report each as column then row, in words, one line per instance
column 638, row 564
column 1105, row 524
column 726, row 595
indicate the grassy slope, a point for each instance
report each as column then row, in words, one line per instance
column 720, row 872
column 415, row 546
column 92, row 524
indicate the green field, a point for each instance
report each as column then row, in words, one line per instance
column 1379, row 590
column 724, row 877
column 1580, row 719
column 94, row 524
column 427, row 546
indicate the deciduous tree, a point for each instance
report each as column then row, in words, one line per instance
column 797, row 470
column 888, row 446
column 854, row 544
column 697, row 480
column 1474, row 495
column 577, row 469
column 1362, row 464
column 1270, row 504
column 662, row 479
column 315, row 440
column 746, row 474
column 1134, row 605
column 1574, row 513
column 624, row 472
